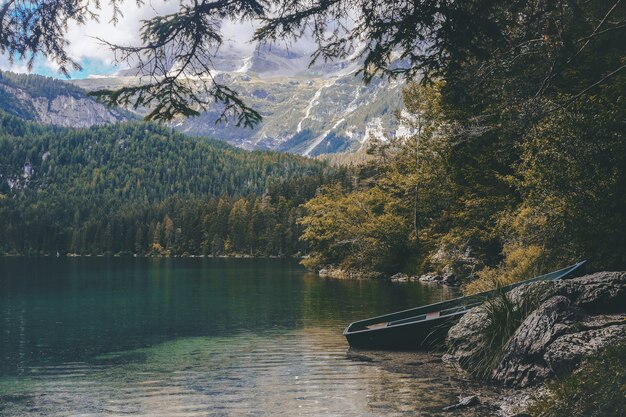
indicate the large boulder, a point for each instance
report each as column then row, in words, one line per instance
column 465, row 336
column 573, row 320
column 522, row 358
column 602, row 292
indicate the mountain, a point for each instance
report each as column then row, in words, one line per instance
column 54, row 102
column 309, row 110
column 321, row 109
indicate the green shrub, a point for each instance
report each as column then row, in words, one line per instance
column 521, row 262
column 596, row 389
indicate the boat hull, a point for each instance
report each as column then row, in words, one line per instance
column 428, row 335
column 426, row 327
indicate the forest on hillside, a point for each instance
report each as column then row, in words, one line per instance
column 36, row 86
column 137, row 188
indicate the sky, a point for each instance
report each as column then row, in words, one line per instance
column 96, row 59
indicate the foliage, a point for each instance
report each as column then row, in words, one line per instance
column 596, row 389
column 520, row 263
column 374, row 225
column 515, row 164
column 572, row 181
column 360, row 230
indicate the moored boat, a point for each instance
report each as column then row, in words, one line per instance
column 425, row 327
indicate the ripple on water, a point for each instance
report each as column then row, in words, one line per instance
column 304, row 373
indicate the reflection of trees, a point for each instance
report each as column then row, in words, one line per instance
column 336, row 302
column 81, row 308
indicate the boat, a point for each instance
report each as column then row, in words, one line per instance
column 427, row 326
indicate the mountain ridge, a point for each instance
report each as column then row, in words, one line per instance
column 54, row 102
column 309, row 110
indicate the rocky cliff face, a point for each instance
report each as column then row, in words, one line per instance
column 53, row 102
column 315, row 110
column 574, row 319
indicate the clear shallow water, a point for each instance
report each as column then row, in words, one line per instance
column 188, row 337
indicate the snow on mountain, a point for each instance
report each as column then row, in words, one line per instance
column 307, row 109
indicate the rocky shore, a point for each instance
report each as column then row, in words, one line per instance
column 565, row 325
column 569, row 322
column 448, row 279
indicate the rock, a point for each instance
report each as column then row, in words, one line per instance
column 69, row 108
column 464, row 336
column 449, row 279
column 448, row 358
column 521, row 362
column 464, row 403
column 574, row 320
column 399, row 277
column 430, row 278
column 338, row 273
column 568, row 351
column 602, row 292
column 424, row 278
column 515, row 402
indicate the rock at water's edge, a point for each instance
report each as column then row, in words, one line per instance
column 575, row 319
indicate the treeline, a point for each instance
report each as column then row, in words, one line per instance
column 140, row 188
column 216, row 226
column 40, row 86
column 133, row 162
column 13, row 86
column 516, row 164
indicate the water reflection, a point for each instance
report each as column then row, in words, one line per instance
column 202, row 337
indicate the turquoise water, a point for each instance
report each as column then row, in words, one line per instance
column 188, row 337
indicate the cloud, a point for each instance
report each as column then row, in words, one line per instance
column 5, row 65
column 237, row 35
column 83, row 39
column 97, row 59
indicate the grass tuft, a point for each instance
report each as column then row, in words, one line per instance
column 521, row 262
column 504, row 316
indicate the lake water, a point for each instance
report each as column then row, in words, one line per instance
column 202, row 337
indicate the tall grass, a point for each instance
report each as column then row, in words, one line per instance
column 504, row 315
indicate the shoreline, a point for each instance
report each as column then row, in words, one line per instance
column 145, row 256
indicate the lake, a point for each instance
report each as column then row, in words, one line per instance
column 209, row 337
